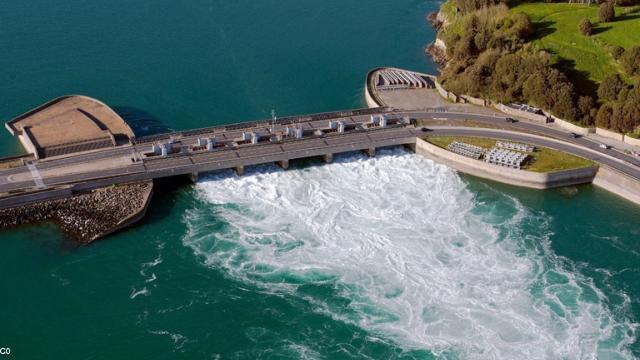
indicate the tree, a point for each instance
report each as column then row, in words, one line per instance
column 630, row 61
column 610, row 87
column 603, row 119
column 587, row 110
column 585, row 26
column 606, row 12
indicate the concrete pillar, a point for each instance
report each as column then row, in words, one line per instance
column 240, row 170
column 283, row 164
column 371, row 152
column 193, row 177
column 327, row 158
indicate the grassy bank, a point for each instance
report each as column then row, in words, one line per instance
column 542, row 159
column 587, row 56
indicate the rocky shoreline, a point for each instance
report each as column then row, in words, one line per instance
column 88, row 216
column 437, row 49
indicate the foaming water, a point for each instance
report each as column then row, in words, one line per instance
column 420, row 259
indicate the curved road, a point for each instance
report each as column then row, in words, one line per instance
column 591, row 154
column 528, row 127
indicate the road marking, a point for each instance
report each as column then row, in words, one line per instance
column 35, row 174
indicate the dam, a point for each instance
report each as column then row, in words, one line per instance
column 97, row 163
column 79, row 148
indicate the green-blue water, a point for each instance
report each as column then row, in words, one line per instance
column 386, row 258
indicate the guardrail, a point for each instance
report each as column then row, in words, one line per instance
column 288, row 120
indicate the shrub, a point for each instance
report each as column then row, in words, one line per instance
column 617, row 52
column 585, row 27
column 606, row 12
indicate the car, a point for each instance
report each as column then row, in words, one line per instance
column 510, row 120
column 424, row 129
column 604, row 146
column 573, row 135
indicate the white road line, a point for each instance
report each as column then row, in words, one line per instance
column 35, row 174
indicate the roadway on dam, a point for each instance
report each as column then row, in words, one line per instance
column 115, row 165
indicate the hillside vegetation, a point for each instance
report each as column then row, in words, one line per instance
column 557, row 56
column 557, row 31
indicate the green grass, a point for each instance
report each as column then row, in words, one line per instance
column 444, row 141
column 589, row 57
column 541, row 160
column 449, row 10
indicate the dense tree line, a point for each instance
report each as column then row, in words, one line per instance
column 489, row 57
column 621, row 110
column 469, row 6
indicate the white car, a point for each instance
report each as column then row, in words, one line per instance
column 604, row 146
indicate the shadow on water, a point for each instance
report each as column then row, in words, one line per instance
column 141, row 122
column 167, row 193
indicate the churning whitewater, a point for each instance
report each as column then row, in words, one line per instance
column 421, row 259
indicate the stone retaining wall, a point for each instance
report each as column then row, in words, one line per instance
column 631, row 141
column 474, row 100
column 502, row 174
column 519, row 113
column 618, row 183
column 444, row 93
column 609, row 134
column 572, row 127
column 371, row 102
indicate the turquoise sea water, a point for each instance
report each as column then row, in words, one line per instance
column 392, row 257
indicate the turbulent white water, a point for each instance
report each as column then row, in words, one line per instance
column 420, row 258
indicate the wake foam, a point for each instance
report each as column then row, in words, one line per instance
column 419, row 257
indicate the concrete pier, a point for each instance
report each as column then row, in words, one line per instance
column 283, row 164
column 193, row 177
column 327, row 158
column 371, row 152
column 239, row 170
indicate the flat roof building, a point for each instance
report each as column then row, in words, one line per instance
column 69, row 124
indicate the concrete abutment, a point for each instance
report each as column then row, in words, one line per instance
column 371, row 152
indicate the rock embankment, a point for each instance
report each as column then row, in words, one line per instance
column 87, row 216
column 438, row 49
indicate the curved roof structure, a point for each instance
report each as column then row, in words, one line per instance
column 69, row 124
